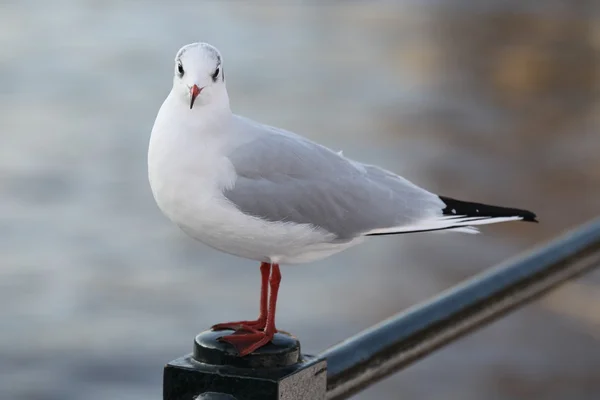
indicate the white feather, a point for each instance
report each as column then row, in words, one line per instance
column 455, row 223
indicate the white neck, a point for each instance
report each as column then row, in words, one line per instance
column 185, row 140
column 210, row 110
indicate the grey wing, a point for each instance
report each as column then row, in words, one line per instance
column 285, row 178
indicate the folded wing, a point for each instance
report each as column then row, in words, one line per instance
column 285, row 178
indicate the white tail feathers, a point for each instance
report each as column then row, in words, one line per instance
column 455, row 223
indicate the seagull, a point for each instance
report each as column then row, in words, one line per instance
column 273, row 196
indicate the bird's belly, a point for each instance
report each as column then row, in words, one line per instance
column 225, row 228
column 214, row 221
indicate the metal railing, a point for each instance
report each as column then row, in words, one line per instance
column 406, row 337
column 399, row 341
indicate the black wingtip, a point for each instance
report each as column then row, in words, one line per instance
column 469, row 209
column 528, row 216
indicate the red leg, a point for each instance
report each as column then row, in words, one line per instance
column 246, row 343
column 259, row 324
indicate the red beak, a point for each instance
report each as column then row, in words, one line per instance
column 194, row 92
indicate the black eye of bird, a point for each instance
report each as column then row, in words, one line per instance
column 180, row 69
column 215, row 75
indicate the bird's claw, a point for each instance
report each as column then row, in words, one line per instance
column 246, row 343
column 247, row 326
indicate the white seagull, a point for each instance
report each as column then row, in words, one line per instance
column 273, row 196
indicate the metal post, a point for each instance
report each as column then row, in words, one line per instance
column 404, row 338
column 213, row 371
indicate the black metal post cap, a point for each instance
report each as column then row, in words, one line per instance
column 282, row 351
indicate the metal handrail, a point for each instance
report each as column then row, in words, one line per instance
column 399, row 341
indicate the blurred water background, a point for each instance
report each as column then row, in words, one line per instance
column 494, row 101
